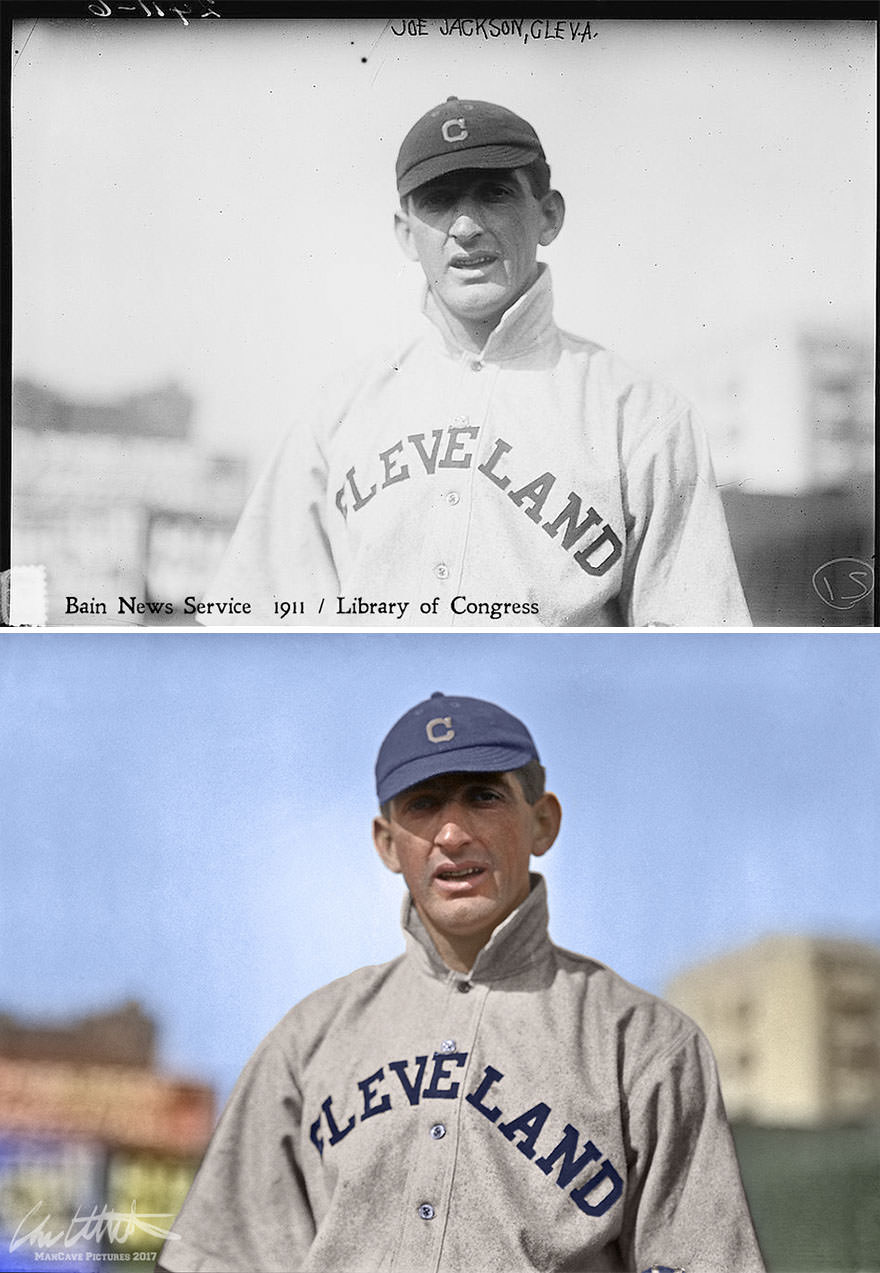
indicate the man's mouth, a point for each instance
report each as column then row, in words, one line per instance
column 478, row 261
column 460, row 873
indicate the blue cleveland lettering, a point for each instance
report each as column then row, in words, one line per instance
column 441, row 1060
column 571, row 1166
column 531, row 1124
column 317, row 1140
column 528, row 1126
column 366, row 1086
column 336, row 1134
column 605, row 1172
column 476, row 1098
column 411, row 1090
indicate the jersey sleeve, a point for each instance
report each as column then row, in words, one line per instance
column 686, row 1209
column 248, row 1208
column 680, row 570
column 280, row 550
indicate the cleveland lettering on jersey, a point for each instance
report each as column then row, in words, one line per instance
column 595, row 556
column 568, row 1157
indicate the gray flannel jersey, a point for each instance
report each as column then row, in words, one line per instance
column 537, row 1113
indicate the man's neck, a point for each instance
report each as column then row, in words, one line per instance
column 459, row 950
column 460, row 955
column 473, row 334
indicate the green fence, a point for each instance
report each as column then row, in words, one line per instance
column 814, row 1195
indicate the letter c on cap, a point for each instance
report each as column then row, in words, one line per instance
column 434, row 737
column 457, row 136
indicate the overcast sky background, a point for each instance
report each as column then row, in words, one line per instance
column 186, row 818
column 213, row 202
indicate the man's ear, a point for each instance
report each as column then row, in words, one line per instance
column 553, row 211
column 404, row 234
column 384, row 842
column 547, row 815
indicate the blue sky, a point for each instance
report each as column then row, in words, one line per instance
column 186, row 817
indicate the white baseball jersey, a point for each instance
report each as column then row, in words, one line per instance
column 538, row 482
column 536, row 1113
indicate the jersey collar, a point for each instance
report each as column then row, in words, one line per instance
column 521, row 329
column 517, row 942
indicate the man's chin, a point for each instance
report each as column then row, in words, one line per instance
column 477, row 302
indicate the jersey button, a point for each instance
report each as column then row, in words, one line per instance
column 462, row 421
column 441, row 570
column 426, row 1211
column 453, row 498
column 477, row 365
column 464, row 987
column 438, row 1131
column 448, row 1045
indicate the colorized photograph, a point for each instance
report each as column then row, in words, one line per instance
column 465, row 952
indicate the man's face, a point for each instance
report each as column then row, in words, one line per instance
column 476, row 235
column 462, row 842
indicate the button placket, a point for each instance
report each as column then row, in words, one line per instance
column 479, row 392
column 467, row 400
column 434, row 1168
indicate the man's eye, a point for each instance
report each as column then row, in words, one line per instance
column 419, row 803
column 485, row 795
column 434, row 202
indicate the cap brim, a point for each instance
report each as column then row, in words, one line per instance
column 465, row 760
column 456, row 160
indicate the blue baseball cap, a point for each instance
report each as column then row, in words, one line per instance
column 450, row 735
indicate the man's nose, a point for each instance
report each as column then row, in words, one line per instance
column 453, row 832
column 465, row 225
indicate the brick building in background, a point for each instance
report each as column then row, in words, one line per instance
column 87, row 1122
column 795, row 1025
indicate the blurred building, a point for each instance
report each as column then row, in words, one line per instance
column 124, row 1036
column 788, row 409
column 794, row 1022
column 97, row 1147
column 795, row 1025
column 117, row 500
column 790, row 415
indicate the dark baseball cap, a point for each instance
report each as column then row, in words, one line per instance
column 464, row 134
column 450, row 735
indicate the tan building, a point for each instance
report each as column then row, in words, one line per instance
column 795, row 1025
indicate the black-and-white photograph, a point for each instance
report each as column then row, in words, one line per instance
column 441, row 322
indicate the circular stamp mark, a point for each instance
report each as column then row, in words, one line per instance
column 843, row 582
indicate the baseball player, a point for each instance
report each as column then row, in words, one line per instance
column 491, row 469
column 486, row 1102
